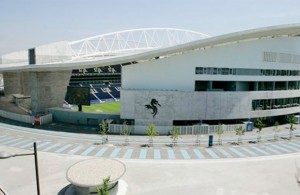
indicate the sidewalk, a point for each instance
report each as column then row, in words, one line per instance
column 91, row 145
column 256, row 176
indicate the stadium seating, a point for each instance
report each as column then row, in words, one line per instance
column 102, row 88
column 107, row 92
column 115, row 92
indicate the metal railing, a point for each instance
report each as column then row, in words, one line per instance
column 183, row 130
column 202, row 139
column 186, row 140
column 44, row 119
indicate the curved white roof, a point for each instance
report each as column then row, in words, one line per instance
column 131, row 41
column 273, row 31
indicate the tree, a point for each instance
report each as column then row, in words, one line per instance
column 175, row 135
column 239, row 131
column 105, row 187
column 151, row 132
column 103, row 131
column 197, row 133
column 276, row 130
column 291, row 120
column 220, row 132
column 259, row 124
column 126, row 132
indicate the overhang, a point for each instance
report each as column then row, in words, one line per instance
column 266, row 32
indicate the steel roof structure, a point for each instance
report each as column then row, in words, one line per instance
column 131, row 41
column 126, row 50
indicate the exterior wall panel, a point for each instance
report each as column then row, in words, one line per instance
column 177, row 105
column 178, row 72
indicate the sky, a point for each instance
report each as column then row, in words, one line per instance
column 29, row 23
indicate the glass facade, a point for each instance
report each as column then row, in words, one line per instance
column 243, row 71
column 267, row 104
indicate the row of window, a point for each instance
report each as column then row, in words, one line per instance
column 267, row 104
column 281, row 57
column 209, row 70
column 278, row 85
column 268, row 72
column 244, row 71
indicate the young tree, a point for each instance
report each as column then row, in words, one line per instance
column 126, row 132
column 239, row 131
column 103, row 131
column 291, row 119
column 220, row 132
column 276, row 130
column 259, row 124
column 105, row 187
column 197, row 141
column 175, row 135
column 151, row 132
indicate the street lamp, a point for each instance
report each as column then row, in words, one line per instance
column 4, row 154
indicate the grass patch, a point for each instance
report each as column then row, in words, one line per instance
column 109, row 107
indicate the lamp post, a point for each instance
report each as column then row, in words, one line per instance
column 4, row 155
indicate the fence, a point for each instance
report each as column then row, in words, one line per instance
column 183, row 130
column 119, row 129
column 16, row 117
column 45, row 119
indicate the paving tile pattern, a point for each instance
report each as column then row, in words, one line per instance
column 155, row 152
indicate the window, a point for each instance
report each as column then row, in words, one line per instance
column 199, row 70
column 215, row 70
column 234, row 71
column 225, row 71
column 219, row 70
column 265, row 104
column 244, row 71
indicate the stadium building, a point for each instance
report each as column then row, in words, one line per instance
column 169, row 76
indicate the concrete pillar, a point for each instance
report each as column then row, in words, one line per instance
column 48, row 89
column 209, row 85
column 1, row 79
column 12, row 83
column 16, row 83
column 25, row 84
column 255, row 86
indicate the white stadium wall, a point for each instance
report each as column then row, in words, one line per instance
column 178, row 105
column 171, row 81
column 15, row 58
column 178, row 72
column 168, row 75
column 53, row 52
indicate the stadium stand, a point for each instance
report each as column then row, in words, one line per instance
column 104, row 82
column 115, row 92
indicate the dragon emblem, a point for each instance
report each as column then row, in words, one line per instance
column 153, row 106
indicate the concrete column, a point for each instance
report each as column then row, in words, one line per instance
column 12, row 83
column 255, row 86
column 48, row 89
column 209, row 85
column 16, row 83
column 25, row 84
column 1, row 79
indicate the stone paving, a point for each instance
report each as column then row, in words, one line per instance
column 255, row 169
column 88, row 145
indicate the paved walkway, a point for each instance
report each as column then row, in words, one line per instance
column 88, row 145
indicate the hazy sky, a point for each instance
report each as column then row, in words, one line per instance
column 29, row 23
